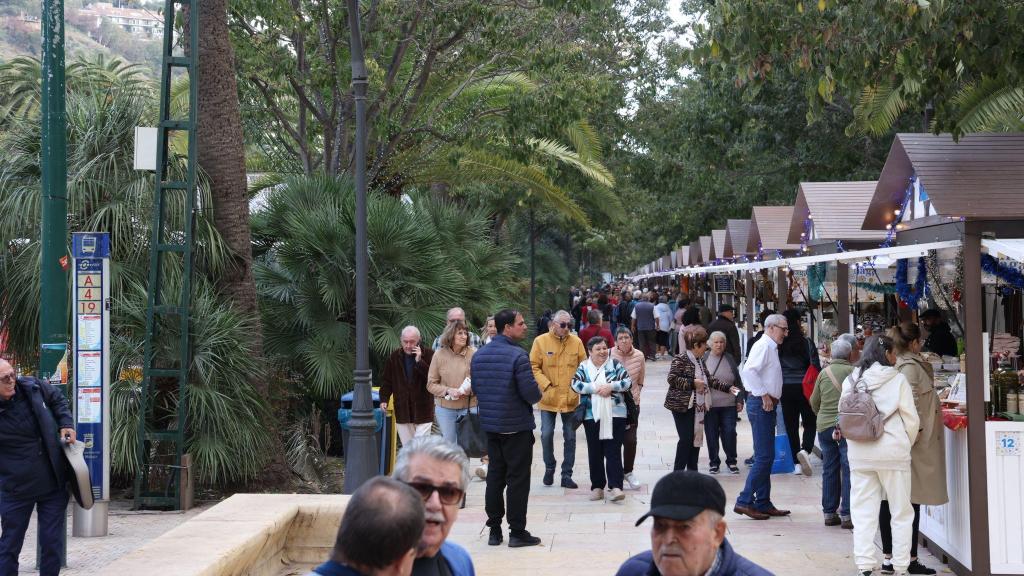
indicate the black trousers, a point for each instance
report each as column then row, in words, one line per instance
column 629, row 445
column 605, row 454
column 884, row 517
column 686, row 452
column 50, row 510
column 648, row 342
column 796, row 408
column 510, row 458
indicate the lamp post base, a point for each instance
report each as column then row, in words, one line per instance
column 361, row 460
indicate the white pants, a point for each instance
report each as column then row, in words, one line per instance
column 867, row 490
column 407, row 432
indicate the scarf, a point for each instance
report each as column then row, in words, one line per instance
column 699, row 399
column 600, row 407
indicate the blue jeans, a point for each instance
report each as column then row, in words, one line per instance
column 835, row 475
column 446, row 421
column 547, row 441
column 50, row 510
column 757, row 491
column 721, row 423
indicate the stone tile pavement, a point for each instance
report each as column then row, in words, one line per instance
column 579, row 536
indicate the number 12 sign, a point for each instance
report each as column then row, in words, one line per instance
column 1008, row 443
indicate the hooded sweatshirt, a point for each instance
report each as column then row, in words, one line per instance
column 895, row 401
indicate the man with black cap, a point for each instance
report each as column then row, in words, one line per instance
column 726, row 324
column 688, row 535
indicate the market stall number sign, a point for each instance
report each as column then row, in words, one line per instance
column 1008, row 444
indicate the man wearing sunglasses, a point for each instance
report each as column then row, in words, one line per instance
column 554, row 359
column 439, row 471
column 34, row 421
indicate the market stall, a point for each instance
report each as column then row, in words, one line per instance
column 933, row 189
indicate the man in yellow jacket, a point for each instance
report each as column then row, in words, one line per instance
column 555, row 357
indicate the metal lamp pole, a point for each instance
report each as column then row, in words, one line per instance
column 53, row 234
column 361, row 462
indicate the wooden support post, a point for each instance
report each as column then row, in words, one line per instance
column 976, row 367
column 843, row 297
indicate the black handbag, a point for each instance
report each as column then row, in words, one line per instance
column 471, row 435
column 632, row 411
column 579, row 414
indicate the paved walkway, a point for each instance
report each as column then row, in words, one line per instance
column 580, row 536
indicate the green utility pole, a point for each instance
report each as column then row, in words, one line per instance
column 53, row 234
column 53, row 305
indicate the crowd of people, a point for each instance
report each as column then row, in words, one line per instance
column 591, row 374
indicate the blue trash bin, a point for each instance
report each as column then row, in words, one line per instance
column 345, row 416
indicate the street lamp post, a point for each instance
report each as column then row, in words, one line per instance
column 361, row 458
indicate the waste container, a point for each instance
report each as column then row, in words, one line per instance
column 345, row 417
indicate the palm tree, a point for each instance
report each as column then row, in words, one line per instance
column 107, row 194
column 425, row 257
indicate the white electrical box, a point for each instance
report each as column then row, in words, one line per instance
column 145, row 148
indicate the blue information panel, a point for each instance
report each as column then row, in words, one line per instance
column 91, row 328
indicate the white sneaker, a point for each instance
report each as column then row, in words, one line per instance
column 617, row 495
column 596, row 494
column 805, row 462
column 481, row 471
column 798, row 472
column 631, row 482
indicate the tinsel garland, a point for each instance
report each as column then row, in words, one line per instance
column 1011, row 276
column 816, row 281
column 910, row 297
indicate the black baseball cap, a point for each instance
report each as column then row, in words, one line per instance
column 726, row 308
column 684, row 494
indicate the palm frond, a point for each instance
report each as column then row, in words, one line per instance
column 991, row 105
column 584, row 139
column 589, row 166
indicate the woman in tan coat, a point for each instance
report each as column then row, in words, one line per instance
column 447, row 379
column 928, row 454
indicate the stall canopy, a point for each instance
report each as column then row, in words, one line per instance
column 721, row 247
column 736, row 232
column 978, row 177
column 706, row 249
column 769, row 229
column 829, row 211
column 695, row 257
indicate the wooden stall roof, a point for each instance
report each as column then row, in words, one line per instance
column 695, row 255
column 707, row 249
column 980, row 178
column 736, row 235
column 722, row 249
column 769, row 225
column 838, row 210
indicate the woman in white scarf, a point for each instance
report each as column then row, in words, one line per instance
column 600, row 381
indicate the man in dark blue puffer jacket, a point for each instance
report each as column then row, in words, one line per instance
column 506, row 392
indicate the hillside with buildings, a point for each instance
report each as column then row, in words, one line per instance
column 129, row 30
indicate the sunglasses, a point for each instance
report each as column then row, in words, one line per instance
column 563, row 324
column 447, row 494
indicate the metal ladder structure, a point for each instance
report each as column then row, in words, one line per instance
column 163, row 405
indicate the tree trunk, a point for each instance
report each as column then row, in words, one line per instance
column 222, row 157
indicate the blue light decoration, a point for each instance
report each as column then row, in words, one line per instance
column 891, row 228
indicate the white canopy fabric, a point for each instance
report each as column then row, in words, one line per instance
column 880, row 258
column 1013, row 249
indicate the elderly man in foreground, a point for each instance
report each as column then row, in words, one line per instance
column 34, row 418
column 688, row 535
column 439, row 471
column 379, row 530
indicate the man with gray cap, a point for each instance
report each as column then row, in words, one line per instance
column 688, row 534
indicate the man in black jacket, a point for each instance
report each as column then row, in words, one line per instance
column 506, row 392
column 725, row 323
column 940, row 338
column 34, row 417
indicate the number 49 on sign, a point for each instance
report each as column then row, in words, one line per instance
column 1008, row 444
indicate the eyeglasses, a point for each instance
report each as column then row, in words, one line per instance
column 8, row 377
column 783, row 328
column 447, row 494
